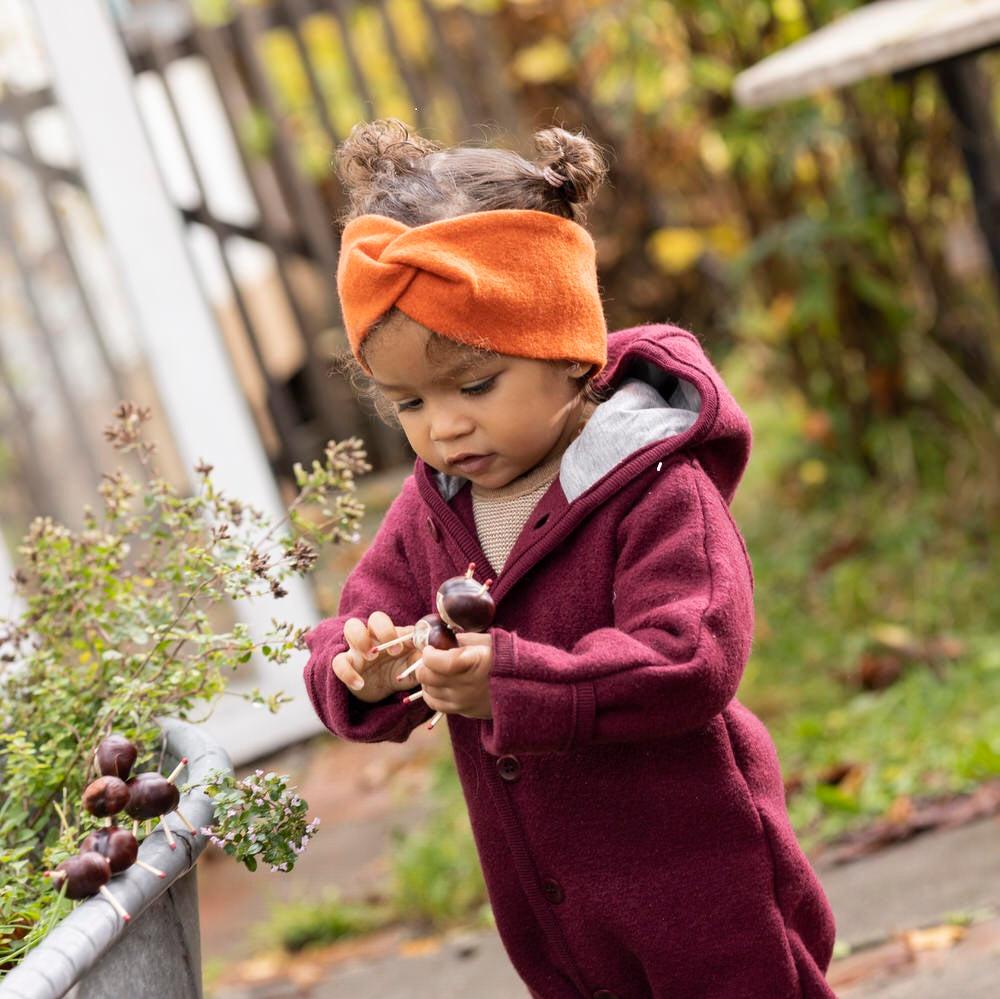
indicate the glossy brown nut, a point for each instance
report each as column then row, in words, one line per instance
column 467, row 603
column 105, row 796
column 431, row 630
column 117, row 844
column 116, row 756
column 85, row 873
column 151, row 795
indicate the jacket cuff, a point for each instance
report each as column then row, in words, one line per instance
column 532, row 716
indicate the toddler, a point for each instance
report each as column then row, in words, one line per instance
column 628, row 811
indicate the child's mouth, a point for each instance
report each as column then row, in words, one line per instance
column 473, row 464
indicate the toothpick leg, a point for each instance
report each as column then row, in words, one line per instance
column 168, row 833
column 183, row 818
column 150, row 868
column 117, row 905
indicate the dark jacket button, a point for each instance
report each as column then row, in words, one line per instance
column 433, row 528
column 604, row 994
column 553, row 892
column 509, row 767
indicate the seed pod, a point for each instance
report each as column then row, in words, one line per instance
column 116, row 756
column 105, row 796
column 431, row 630
column 117, row 844
column 465, row 604
column 150, row 795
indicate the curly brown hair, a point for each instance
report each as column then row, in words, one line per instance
column 386, row 169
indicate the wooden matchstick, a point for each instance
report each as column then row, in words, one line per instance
column 415, row 696
column 168, row 833
column 135, row 828
column 150, row 868
column 117, row 905
column 183, row 818
column 412, row 668
column 396, row 641
column 180, row 766
column 436, row 719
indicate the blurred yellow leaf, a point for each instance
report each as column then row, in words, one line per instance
column 279, row 55
column 813, row 472
column 805, row 168
column 411, row 29
column 894, row 636
column 543, row 62
column 675, row 250
column 781, row 310
column 727, row 240
column 933, row 938
column 714, row 152
column 788, row 10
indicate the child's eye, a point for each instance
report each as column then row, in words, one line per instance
column 480, row 387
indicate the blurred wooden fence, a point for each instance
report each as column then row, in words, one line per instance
column 286, row 80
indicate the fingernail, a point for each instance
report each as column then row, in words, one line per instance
column 357, row 684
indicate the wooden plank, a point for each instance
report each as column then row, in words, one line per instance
column 877, row 39
column 208, row 413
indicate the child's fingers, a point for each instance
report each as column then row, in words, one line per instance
column 382, row 630
column 345, row 672
column 450, row 662
column 357, row 637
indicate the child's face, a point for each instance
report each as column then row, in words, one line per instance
column 516, row 410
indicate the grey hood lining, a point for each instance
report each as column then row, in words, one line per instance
column 649, row 405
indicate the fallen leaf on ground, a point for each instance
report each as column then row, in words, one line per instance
column 933, row 938
column 420, row 947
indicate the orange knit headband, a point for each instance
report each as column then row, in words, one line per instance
column 520, row 282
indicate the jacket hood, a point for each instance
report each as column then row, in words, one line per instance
column 664, row 394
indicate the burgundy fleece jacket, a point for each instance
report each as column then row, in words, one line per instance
column 628, row 811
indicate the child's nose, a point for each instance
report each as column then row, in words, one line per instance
column 448, row 424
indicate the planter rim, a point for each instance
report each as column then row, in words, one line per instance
column 77, row 943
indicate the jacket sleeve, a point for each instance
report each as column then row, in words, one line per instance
column 381, row 580
column 683, row 626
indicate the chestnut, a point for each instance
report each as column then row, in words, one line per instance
column 150, row 795
column 465, row 604
column 116, row 756
column 105, row 796
column 86, row 874
column 431, row 630
column 117, row 844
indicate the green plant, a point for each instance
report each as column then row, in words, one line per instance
column 117, row 632
column 258, row 818
column 296, row 925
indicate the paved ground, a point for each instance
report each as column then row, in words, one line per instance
column 897, row 910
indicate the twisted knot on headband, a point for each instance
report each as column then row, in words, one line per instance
column 519, row 282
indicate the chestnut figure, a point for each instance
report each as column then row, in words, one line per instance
column 86, row 874
column 465, row 604
column 116, row 756
column 106, row 796
column 117, row 844
column 151, row 795
column 431, row 630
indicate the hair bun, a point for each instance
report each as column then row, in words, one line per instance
column 572, row 163
column 379, row 149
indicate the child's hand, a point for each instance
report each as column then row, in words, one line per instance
column 377, row 675
column 456, row 681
